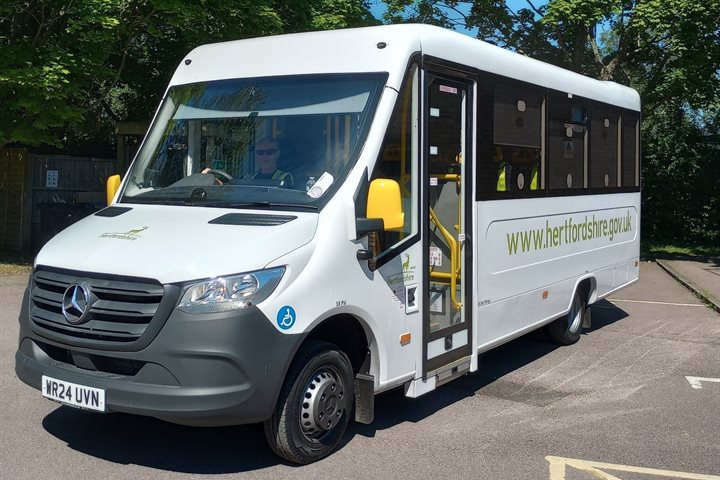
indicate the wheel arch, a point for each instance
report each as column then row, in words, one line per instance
column 565, row 330
column 351, row 335
column 587, row 286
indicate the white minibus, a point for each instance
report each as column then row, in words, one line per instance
column 316, row 218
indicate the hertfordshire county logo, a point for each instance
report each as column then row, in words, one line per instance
column 406, row 263
column 406, row 275
column 131, row 235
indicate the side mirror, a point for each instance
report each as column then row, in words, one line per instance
column 111, row 188
column 384, row 202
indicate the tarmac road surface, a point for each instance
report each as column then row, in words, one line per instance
column 617, row 405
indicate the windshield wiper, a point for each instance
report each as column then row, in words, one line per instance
column 153, row 201
column 256, row 204
column 189, row 202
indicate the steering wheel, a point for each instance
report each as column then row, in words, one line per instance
column 221, row 175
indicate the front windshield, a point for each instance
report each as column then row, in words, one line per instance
column 246, row 143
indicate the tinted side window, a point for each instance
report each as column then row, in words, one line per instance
column 630, row 157
column 603, row 146
column 510, row 122
column 566, row 142
column 532, row 141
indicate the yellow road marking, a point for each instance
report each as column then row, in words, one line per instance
column 558, row 466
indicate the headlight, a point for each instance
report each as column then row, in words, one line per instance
column 223, row 294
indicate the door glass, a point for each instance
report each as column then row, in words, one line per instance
column 397, row 161
column 446, row 151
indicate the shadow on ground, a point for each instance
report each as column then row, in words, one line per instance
column 393, row 407
column 127, row 439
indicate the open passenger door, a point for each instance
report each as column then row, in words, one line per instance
column 447, row 326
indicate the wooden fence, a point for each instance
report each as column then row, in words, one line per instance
column 42, row 194
column 14, row 196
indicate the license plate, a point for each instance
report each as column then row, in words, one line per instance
column 73, row 394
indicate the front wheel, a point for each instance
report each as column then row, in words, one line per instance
column 566, row 330
column 315, row 405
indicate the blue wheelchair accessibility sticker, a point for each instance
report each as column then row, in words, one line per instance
column 286, row 317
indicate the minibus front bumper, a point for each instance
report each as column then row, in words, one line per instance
column 204, row 370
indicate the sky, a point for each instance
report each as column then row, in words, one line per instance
column 377, row 8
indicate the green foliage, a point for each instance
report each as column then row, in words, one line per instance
column 667, row 49
column 71, row 69
column 335, row 14
column 681, row 192
column 650, row 251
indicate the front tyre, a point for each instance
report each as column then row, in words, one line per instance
column 566, row 330
column 315, row 404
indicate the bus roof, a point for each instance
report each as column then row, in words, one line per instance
column 386, row 48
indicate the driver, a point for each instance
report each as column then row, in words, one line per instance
column 267, row 152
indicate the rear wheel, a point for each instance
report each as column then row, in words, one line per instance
column 566, row 330
column 315, row 404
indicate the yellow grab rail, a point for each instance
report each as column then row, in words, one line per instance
column 447, row 177
column 454, row 259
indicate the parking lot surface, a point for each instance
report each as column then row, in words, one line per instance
column 638, row 397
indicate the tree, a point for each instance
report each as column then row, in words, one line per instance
column 668, row 49
column 70, row 69
column 681, row 192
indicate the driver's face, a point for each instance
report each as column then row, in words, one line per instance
column 267, row 153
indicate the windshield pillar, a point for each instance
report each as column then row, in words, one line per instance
column 194, row 146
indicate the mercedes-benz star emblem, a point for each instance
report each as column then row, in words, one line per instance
column 75, row 303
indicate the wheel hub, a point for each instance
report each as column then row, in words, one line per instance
column 323, row 403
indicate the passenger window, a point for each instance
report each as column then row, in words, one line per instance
column 398, row 161
column 630, row 151
column 603, row 147
column 567, row 142
column 510, row 136
column 517, row 137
